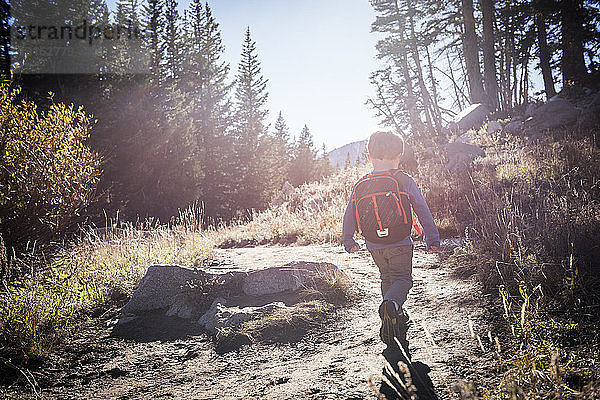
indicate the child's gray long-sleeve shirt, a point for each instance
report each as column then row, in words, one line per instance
column 430, row 231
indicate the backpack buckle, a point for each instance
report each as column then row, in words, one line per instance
column 383, row 233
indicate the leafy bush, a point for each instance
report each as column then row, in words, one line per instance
column 47, row 173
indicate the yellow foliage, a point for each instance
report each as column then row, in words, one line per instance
column 46, row 169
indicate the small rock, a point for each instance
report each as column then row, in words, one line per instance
column 219, row 316
column 514, row 127
column 493, row 126
column 464, row 138
column 530, row 110
column 460, row 154
column 279, row 279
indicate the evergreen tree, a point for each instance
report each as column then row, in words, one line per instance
column 153, row 22
column 323, row 166
column 172, row 45
column 126, row 55
column 204, row 80
column 251, row 97
column 471, row 52
column 275, row 151
column 303, row 168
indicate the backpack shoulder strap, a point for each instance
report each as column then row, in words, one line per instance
column 401, row 177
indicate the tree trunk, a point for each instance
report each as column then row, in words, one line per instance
column 454, row 84
column 436, row 107
column 424, row 92
column 545, row 55
column 471, row 51
column 574, row 71
column 489, row 53
column 415, row 121
column 4, row 40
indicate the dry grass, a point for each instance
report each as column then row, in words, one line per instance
column 40, row 310
column 313, row 214
column 533, row 214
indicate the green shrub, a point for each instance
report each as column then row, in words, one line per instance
column 47, row 173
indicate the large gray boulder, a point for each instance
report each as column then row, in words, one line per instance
column 461, row 154
column 171, row 287
column 556, row 113
column 160, row 287
column 471, row 117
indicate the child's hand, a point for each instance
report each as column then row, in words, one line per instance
column 354, row 249
column 433, row 249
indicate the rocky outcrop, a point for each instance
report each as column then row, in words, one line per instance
column 493, row 127
column 515, row 127
column 556, row 113
column 178, row 291
column 471, row 117
column 461, row 154
column 351, row 151
column 290, row 277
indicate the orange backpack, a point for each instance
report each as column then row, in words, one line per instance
column 382, row 207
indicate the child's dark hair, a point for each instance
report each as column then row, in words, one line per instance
column 385, row 145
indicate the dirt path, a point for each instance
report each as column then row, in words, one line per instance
column 331, row 362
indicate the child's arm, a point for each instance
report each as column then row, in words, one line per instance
column 430, row 231
column 348, row 229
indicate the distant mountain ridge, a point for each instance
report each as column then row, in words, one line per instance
column 354, row 151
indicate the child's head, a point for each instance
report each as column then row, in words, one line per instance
column 385, row 145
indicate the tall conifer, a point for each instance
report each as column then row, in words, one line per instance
column 251, row 97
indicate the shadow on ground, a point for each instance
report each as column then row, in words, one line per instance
column 422, row 386
column 156, row 326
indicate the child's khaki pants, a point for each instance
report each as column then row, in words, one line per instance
column 395, row 267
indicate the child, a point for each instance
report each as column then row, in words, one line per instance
column 380, row 208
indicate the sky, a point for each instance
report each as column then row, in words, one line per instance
column 317, row 56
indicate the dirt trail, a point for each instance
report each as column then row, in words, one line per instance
column 331, row 362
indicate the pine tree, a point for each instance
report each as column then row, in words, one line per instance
column 275, row 151
column 541, row 9
column 303, row 167
column 251, row 97
column 171, row 36
column 323, row 166
column 204, row 80
column 573, row 20
column 471, row 51
column 126, row 55
column 489, row 52
column 153, row 26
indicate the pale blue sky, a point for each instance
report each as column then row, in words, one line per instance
column 317, row 56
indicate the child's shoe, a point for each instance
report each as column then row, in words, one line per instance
column 389, row 321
